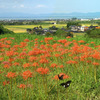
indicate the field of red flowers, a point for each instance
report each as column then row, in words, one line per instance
column 34, row 67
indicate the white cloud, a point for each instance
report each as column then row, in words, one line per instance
column 22, row 6
column 40, row 6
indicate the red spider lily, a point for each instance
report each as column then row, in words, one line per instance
column 96, row 63
column 26, row 65
column 31, row 59
column 22, row 86
column 8, row 41
column 64, row 77
column 53, row 65
column 26, row 40
column 1, row 58
column 42, row 70
column 6, row 66
column 81, row 41
column 16, row 64
column 68, row 37
column 57, row 55
column 71, row 62
column 6, row 83
column 43, row 61
column 9, row 53
column 23, row 44
column 26, row 74
column 35, row 64
column 11, row 75
column 61, row 66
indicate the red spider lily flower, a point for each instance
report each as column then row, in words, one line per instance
column 6, row 66
column 8, row 41
column 16, row 64
column 61, row 66
column 1, row 58
column 35, row 64
column 43, row 61
column 6, row 83
column 42, row 70
column 71, row 62
column 53, row 65
column 11, row 75
column 96, row 63
column 31, row 59
column 64, row 77
column 26, row 74
column 22, row 86
column 68, row 37
column 57, row 55
column 23, row 44
column 9, row 53
column 26, row 40
column 81, row 41
column 26, row 65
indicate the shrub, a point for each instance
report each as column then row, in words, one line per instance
column 4, row 30
column 94, row 33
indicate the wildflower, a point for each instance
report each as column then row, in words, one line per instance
column 61, row 66
column 53, row 65
column 35, row 64
column 26, row 65
column 26, row 40
column 6, row 66
column 22, row 86
column 11, row 75
column 68, row 37
column 96, row 63
column 5, row 83
column 1, row 58
column 42, row 70
column 43, row 61
column 26, row 74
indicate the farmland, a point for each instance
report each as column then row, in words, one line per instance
column 22, row 28
column 30, row 66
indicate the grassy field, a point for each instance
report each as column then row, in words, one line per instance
column 34, row 67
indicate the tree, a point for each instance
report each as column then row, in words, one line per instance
column 94, row 33
column 72, row 23
column 4, row 30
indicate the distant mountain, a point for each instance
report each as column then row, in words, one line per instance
column 50, row 15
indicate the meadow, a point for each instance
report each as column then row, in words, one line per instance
column 33, row 67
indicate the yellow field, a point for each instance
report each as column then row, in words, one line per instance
column 89, row 24
column 22, row 28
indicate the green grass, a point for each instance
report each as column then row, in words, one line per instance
column 85, row 76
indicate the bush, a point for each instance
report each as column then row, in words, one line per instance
column 4, row 30
column 94, row 33
column 62, row 33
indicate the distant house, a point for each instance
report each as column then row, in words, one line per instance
column 77, row 28
column 54, row 23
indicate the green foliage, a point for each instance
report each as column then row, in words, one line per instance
column 53, row 28
column 72, row 23
column 4, row 30
column 62, row 33
column 48, row 34
column 94, row 33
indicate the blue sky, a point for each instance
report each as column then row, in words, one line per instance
column 49, row 6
